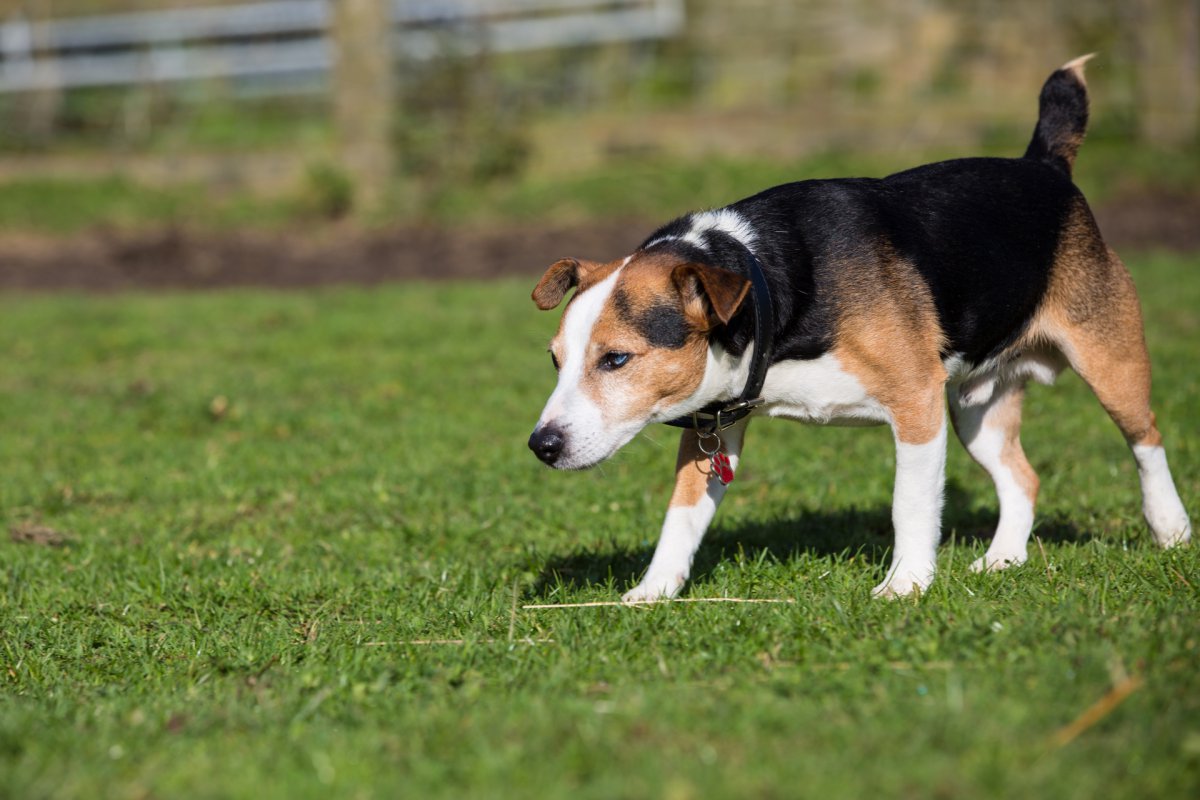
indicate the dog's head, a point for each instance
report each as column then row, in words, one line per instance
column 632, row 348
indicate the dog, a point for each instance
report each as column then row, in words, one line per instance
column 962, row 278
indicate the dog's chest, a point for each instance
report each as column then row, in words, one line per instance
column 820, row 391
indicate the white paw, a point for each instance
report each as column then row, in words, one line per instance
column 902, row 585
column 1172, row 533
column 655, row 588
column 994, row 562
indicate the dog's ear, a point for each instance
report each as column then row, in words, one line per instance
column 709, row 292
column 560, row 278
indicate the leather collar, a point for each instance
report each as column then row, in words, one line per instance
column 720, row 415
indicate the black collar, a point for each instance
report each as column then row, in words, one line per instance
column 720, row 415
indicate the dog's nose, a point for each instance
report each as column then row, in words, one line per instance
column 547, row 443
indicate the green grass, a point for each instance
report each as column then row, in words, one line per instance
column 632, row 187
column 60, row 205
column 659, row 188
column 231, row 611
column 67, row 205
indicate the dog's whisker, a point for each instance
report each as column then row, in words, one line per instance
column 652, row 440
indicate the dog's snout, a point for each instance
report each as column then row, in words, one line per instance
column 547, row 443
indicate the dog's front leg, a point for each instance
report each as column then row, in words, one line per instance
column 697, row 494
column 917, row 502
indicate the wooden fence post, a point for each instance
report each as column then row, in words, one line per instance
column 1168, row 71
column 41, row 107
column 363, row 97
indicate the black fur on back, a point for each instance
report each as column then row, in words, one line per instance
column 981, row 234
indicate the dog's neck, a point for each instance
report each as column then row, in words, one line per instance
column 725, row 376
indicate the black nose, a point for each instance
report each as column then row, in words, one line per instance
column 547, row 444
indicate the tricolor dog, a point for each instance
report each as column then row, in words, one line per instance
column 862, row 301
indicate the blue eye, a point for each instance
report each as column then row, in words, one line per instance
column 614, row 360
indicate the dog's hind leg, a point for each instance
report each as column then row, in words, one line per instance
column 1099, row 329
column 1117, row 369
column 991, row 433
column 694, row 502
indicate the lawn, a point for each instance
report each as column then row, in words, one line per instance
column 266, row 544
column 652, row 187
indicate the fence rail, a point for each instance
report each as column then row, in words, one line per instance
column 289, row 39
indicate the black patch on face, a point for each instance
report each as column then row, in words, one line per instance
column 662, row 324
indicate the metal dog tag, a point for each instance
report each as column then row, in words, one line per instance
column 721, row 468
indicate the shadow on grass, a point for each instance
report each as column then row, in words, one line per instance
column 865, row 534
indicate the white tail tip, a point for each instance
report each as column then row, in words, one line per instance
column 1076, row 64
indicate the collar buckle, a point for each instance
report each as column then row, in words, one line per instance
column 726, row 416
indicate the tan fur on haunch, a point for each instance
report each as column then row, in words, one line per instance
column 1091, row 313
column 887, row 336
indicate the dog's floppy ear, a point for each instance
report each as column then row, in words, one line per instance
column 709, row 292
column 560, row 278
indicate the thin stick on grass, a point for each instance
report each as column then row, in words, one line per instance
column 902, row 666
column 1046, row 561
column 1097, row 710
column 455, row 642
column 622, row 603
column 512, row 617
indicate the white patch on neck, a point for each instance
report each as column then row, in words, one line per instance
column 724, row 378
column 815, row 390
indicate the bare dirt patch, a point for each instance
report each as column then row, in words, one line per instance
column 179, row 258
column 184, row 259
column 1161, row 220
column 33, row 533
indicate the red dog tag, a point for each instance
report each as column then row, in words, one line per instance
column 721, row 468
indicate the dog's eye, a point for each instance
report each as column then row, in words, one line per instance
column 614, row 360
column 554, row 361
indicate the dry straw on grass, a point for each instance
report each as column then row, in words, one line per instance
column 622, row 603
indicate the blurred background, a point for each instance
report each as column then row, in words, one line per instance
column 206, row 142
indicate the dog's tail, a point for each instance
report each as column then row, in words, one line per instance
column 1062, row 117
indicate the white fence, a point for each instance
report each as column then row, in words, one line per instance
column 286, row 42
